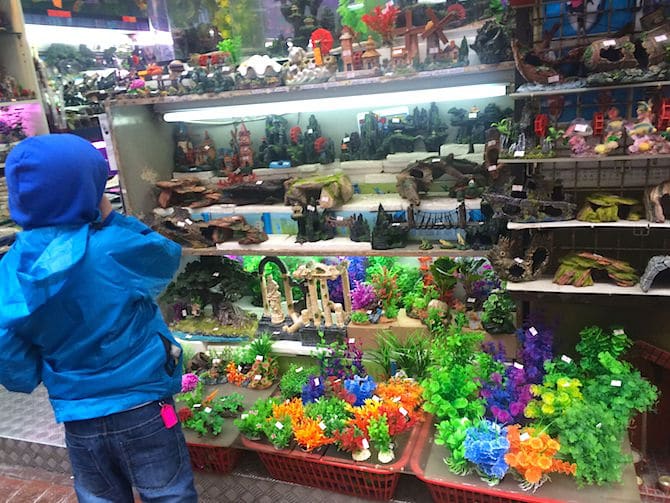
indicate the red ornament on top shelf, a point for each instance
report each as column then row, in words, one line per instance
column 541, row 125
column 325, row 40
column 598, row 123
column 664, row 114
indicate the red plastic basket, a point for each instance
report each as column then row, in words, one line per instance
column 345, row 476
column 210, row 458
column 652, row 354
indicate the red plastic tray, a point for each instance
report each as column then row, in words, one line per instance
column 211, row 458
column 471, row 490
column 365, row 480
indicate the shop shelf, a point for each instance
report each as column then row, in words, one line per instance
column 546, row 285
column 572, row 160
column 334, row 471
column 211, row 458
column 578, row 90
column 285, row 245
column 427, row 463
column 571, row 224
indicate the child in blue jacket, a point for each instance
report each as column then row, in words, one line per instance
column 77, row 312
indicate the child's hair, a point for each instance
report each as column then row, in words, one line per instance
column 55, row 179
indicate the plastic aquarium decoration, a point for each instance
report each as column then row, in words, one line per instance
column 202, row 299
column 656, row 266
column 609, row 208
column 576, row 270
column 514, row 262
column 653, row 197
column 389, row 231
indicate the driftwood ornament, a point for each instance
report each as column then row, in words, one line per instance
column 513, row 262
column 530, row 210
column 576, row 270
column 653, row 202
column 191, row 192
column 417, row 178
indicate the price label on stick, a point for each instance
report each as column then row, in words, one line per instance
column 403, row 411
column 259, row 358
column 533, row 331
column 616, row 383
column 352, row 340
column 258, row 377
column 208, row 410
column 322, row 425
column 317, row 381
column 517, row 365
column 299, row 369
column 553, row 79
column 279, row 426
column 524, row 436
column 517, row 188
column 376, row 398
column 566, row 359
column 581, row 128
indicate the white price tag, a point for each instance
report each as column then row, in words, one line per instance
column 259, row 182
column 317, row 381
column 216, row 275
column 403, row 411
column 276, row 332
column 566, row 359
column 553, row 79
column 533, row 331
column 581, row 128
column 609, row 43
column 208, row 410
column 346, row 53
column 366, row 444
column 258, row 377
column 518, row 260
column 524, row 436
column 184, row 312
column 339, row 218
column 311, row 208
column 259, row 358
column 188, row 336
column 471, row 300
column 491, row 143
column 395, row 120
column 310, row 131
column 197, row 405
column 597, row 256
column 395, row 399
column 181, row 224
column 346, row 139
column 244, row 416
column 376, row 398
column 189, row 221
column 216, row 361
column 517, row 365
column 619, row 331
column 298, row 370
column 472, row 115
column 599, row 425
column 369, row 311
column 517, row 188
column 433, row 50
column 322, row 425
column 519, row 153
column 216, row 329
column 437, row 159
column 616, row 383
column 493, row 167
column 239, row 368
column 279, row 426
column 661, row 38
column 352, row 340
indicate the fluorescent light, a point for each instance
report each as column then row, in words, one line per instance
column 355, row 102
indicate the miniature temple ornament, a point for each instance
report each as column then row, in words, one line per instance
column 346, row 42
column 273, row 314
column 273, row 297
column 371, row 56
column 411, row 34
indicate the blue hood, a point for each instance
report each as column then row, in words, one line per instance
column 55, row 180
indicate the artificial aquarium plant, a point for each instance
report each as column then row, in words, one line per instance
column 294, row 379
column 205, row 414
column 203, row 296
column 497, row 317
column 251, row 423
column 412, row 355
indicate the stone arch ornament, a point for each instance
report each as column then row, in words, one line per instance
column 656, row 265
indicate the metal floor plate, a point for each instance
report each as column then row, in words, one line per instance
column 29, row 418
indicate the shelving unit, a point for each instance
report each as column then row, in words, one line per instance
column 575, row 224
column 285, row 245
column 652, row 159
column 546, row 285
column 579, row 90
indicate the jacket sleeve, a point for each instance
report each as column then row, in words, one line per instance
column 20, row 363
column 147, row 260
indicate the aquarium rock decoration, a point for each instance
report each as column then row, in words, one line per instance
column 576, row 269
column 656, row 266
column 514, row 262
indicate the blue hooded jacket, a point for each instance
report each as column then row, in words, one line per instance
column 77, row 308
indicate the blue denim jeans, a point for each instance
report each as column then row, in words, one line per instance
column 110, row 455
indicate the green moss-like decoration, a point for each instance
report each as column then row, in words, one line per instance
column 576, row 270
column 211, row 327
column 609, row 208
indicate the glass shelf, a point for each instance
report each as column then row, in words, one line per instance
column 578, row 90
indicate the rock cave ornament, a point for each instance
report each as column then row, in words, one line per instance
column 576, row 270
column 514, row 262
column 656, row 265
